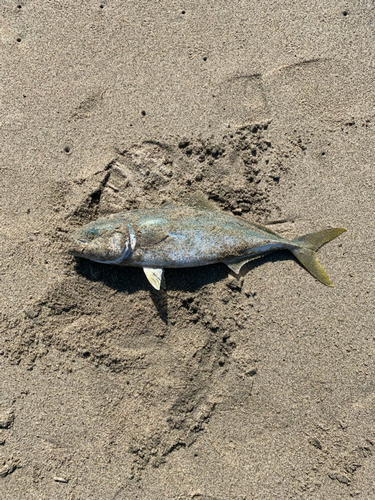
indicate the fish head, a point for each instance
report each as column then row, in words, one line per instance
column 109, row 240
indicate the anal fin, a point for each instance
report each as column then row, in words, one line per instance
column 154, row 276
column 236, row 266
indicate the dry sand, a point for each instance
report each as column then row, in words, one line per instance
column 261, row 387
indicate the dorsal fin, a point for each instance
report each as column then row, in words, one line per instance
column 264, row 228
column 200, row 200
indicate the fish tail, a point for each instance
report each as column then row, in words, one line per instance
column 305, row 251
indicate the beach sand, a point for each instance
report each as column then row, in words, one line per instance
column 218, row 388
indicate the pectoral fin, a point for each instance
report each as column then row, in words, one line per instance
column 151, row 238
column 154, row 276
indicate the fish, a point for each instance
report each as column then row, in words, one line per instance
column 179, row 236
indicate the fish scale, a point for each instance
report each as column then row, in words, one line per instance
column 190, row 237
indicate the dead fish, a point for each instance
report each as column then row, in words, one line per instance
column 175, row 236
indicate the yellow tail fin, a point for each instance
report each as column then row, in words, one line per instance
column 307, row 246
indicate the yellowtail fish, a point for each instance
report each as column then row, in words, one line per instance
column 188, row 236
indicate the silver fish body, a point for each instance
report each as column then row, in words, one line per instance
column 187, row 236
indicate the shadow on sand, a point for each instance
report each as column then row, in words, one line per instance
column 130, row 279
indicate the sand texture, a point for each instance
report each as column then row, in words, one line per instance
column 220, row 387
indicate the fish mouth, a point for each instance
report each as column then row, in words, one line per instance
column 77, row 248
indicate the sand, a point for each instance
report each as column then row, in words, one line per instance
column 219, row 388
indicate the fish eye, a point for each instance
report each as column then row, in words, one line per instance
column 92, row 233
column 99, row 230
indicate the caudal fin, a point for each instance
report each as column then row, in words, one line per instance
column 305, row 252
